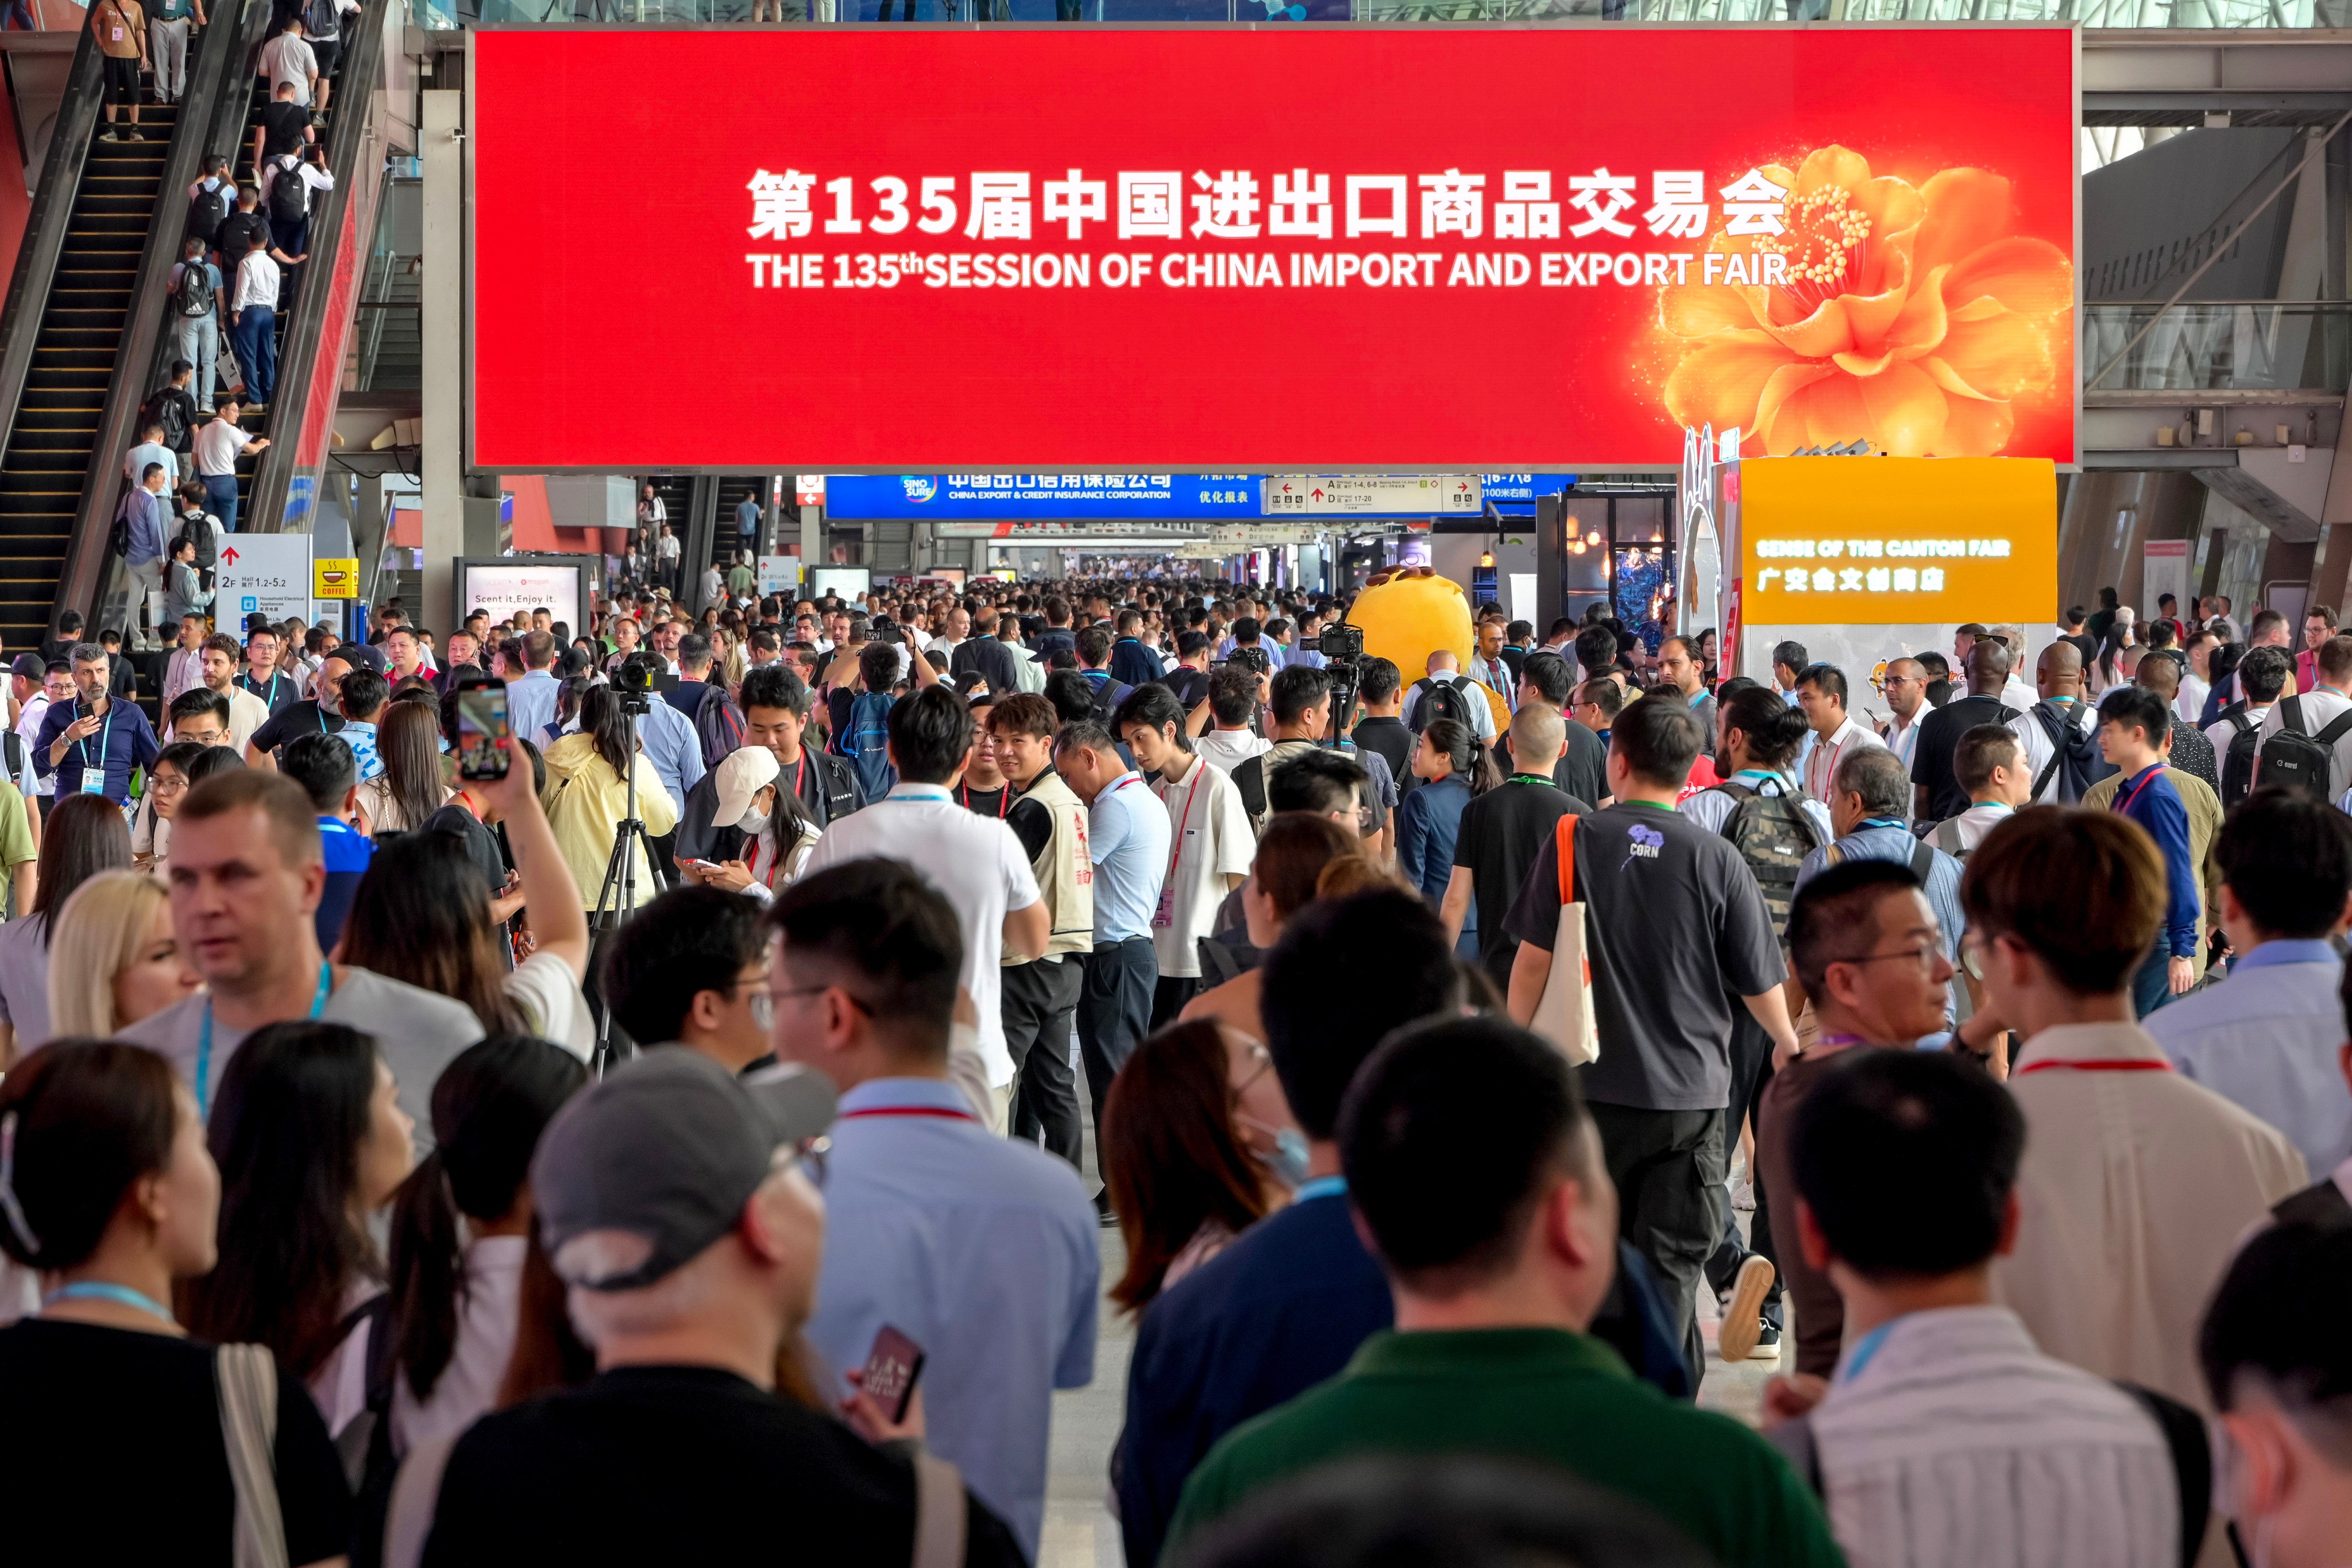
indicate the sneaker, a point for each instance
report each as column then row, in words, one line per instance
column 1102, row 1209
column 1743, row 1196
column 1743, row 1325
column 108, row 135
column 1768, row 1343
column 132, row 135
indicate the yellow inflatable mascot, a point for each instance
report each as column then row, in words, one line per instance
column 1408, row 613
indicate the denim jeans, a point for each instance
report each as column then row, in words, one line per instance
column 197, row 338
column 220, row 494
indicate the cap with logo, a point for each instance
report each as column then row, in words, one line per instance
column 639, row 1174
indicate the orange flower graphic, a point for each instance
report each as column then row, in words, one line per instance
column 1910, row 316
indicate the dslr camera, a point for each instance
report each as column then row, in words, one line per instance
column 1338, row 642
column 1254, row 659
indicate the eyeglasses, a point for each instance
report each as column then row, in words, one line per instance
column 810, row 1155
column 1972, row 947
column 1261, row 1063
column 1924, row 955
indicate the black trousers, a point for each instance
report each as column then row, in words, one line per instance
column 1039, row 999
column 1113, row 1014
column 1668, row 1169
column 1751, row 1069
column 1171, row 995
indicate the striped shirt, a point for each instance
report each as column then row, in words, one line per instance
column 1949, row 1441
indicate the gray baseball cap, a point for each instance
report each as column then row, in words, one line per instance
column 656, row 1162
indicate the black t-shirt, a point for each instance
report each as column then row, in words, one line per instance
column 1500, row 832
column 1393, row 742
column 1677, row 930
column 1939, row 742
column 1582, row 770
column 1191, row 685
column 667, row 1464
column 282, row 125
column 77, row 1393
column 996, row 803
column 294, row 719
column 1031, row 822
column 278, row 692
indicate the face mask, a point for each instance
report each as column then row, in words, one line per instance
column 1287, row 1158
column 753, row 823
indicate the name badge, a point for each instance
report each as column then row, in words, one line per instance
column 93, row 781
column 1164, row 917
column 114, row 35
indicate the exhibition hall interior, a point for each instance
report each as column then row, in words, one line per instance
column 1770, row 341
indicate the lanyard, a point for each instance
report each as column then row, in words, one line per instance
column 799, row 766
column 937, row 1112
column 2117, row 1064
column 1864, row 1350
column 1528, row 778
column 1895, row 822
column 1192, row 791
column 105, row 734
column 102, row 1290
column 1003, row 800
column 2147, row 779
column 205, row 1037
column 1129, row 779
column 1321, row 1187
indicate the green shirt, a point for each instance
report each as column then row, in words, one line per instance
column 1537, row 1394
column 741, row 580
column 16, row 844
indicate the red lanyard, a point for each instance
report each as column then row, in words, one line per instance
column 2119, row 1064
column 1192, row 792
column 1003, row 799
column 939, row 1113
column 2125, row 804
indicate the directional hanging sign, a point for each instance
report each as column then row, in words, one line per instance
column 1257, row 535
column 265, row 572
column 1372, row 495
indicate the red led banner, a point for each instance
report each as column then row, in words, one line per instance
column 1343, row 247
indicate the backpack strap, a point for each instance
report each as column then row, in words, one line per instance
column 2337, row 728
column 1923, row 860
column 1563, row 838
column 2236, row 715
column 2291, row 715
column 939, row 1513
column 2192, row 1462
column 247, row 1379
column 1250, row 779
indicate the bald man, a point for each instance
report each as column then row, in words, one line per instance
column 1938, row 793
column 1905, row 687
column 2062, row 708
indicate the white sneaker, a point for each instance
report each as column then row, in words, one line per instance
column 1743, row 1315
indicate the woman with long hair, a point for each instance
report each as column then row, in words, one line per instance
column 85, row 835
column 1454, row 770
column 111, row 1198
column 1291, row 855
column 422, row 913
column 167, row 785
column 461, row 1228
column 311, row 1142
column 114, row 958
column 410, row 788
column 761, row 835
column 587, row 795
column 1200, row 1145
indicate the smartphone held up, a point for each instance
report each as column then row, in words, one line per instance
column 485, row 739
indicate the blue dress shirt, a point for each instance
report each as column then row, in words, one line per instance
column 2150, row 799
column 673, row 749
column 126, row 741
column 2266, row 1039
column 530, row 704
column 1128, row 832
column 981, row 1249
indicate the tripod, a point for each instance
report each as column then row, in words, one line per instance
column 616, row 900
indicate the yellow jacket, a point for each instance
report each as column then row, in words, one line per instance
column 586, row 801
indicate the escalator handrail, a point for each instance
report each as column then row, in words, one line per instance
column 298, row 358
column 215, row 70
column 46, row 229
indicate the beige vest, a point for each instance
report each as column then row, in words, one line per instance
column 1066, row 876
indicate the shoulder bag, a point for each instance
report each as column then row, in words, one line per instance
column 1564, row 1014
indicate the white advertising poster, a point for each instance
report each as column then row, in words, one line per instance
column 844, row 582
column 2164, row 565
column 779, row 574
column 504, row 588
column 268, row 572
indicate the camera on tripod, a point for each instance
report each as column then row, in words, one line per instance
column 1340, row 641
column 638, row 678
column 1254, row 659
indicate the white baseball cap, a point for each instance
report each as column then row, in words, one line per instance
column 746, row 771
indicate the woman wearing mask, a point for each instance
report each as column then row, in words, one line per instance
column 1454, row 770
column 167, row 783
column 84, row 836
column 1291, row 855
column 461, row 1232
column 114, row 959
column 111, row 1195
column 760, row 836
column 410, row 788
column 311, row 1142
column 1204, row 1146
column 423, row 914
column 586, row 794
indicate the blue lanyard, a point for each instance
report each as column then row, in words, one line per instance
column 1895, row 822
column 205, row 1037
column 100, row 1290
column 1321, row 1187
column 1864, row 1348
column 105, row 730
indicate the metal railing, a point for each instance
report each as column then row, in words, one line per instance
column 2221, row 345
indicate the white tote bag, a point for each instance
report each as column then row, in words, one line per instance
column 1564, row 1014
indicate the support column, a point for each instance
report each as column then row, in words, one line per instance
column 442, row 150
column 811, row 544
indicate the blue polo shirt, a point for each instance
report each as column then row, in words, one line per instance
column 125, row 742
column 348, row 853
column 1128, row 834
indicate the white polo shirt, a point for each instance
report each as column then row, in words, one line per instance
column 217, row 443
column 1209, row 839
column 974, row 861
column 1821, row 758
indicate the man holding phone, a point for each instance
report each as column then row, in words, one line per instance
column 92, row 745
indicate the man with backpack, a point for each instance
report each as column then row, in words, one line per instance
column 864, row 734
column 718, row 723
column 1992, row 768
column 1445, row 693
column 1094, row 646
column 2056, row 737
column 287, row 183
column 2307, row 739
column 2237, row 733
column 193, row 300
column 322, row 21
column 173, row 413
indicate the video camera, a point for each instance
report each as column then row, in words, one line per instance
column 1340, row 641
column 1254, row 659
column 638, row 678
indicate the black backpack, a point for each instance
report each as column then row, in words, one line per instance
column 1773, row 835
column 1108, row 695
column 206, row 212
column 192, row 295
column 2237, row 762
column 1442, row 699
column 2298, row 760
column 717, row 725
column 289, row 198
column 166, row 409
column 2074, row 758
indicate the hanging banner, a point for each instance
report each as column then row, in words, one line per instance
column 1177, row 248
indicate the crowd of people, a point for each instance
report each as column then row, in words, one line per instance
column 450, row 1171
